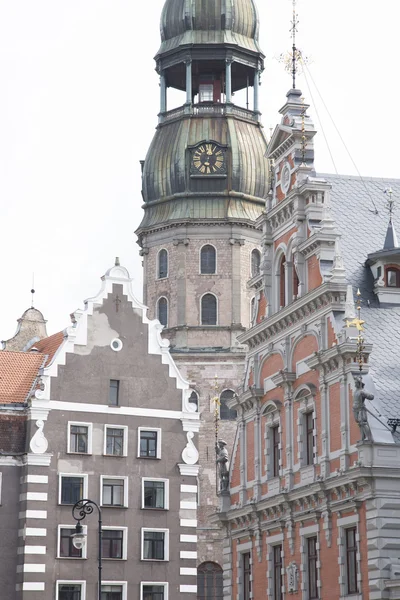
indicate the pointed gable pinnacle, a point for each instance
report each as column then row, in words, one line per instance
column 338, row 271
column 350, row 311
column 391, row 237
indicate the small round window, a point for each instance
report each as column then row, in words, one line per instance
column 116, row 345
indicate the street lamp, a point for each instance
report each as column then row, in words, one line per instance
column 79, row 512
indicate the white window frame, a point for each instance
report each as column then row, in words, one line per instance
column 125, row 444
column 166, row 544
column 119, row 477
column 216, row 260
column 157, row 311
column 158, row 265
column 166, row 492
column 305, row 534
column 124, row 542
column 251, row 262
column 164, row 583
column 84, row 548
column 124, row 585
column 272, row 542
column 80, row 582
column 85, row 478
column 90, row 437
column 158, row 430
column 201, row 310
column 343, row 524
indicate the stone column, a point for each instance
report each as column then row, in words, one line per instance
column 242, row 447
column 228, row 80
column 256, row 90
column 323, row 386
column 163, row 93
column 188, row 63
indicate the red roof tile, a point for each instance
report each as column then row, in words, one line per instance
column 50, row 345
column 18, row 373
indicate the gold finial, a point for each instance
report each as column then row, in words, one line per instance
column 294, row 60
column 390, row 202
column 358, row 324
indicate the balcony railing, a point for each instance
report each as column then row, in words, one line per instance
column 209, row 109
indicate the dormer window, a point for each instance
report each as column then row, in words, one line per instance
column 392, row 277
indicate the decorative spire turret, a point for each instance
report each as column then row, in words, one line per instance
column 391, row 237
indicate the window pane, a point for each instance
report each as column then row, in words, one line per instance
column 68, row 591
column 112, row 543
column 153, row 592
column 71, row 489
column 79, row 439
column 113, row 492
column 162, row 312
column 148, row 444
column 312, row 567
column 392, row 278
column 115, row 441
column 154, row 494
column 114, row 392
column 206, row 92
column 67, row 549
column 111, row 592
column 153, row 545
column 207, row 260
column 162, row 264
column 209, row 310
column 226, row 413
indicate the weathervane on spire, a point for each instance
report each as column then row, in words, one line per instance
column 293, row 60
column 390, row 202
column 295, row 56
column 33, row 289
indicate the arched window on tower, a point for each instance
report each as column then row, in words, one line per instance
column 226, row 413
column 255, row 263
column 209, row 582
column 162, row 264
column 208, row 310
column 194, row 399
column 282, row 282
column 207, row 260
column 162, row 311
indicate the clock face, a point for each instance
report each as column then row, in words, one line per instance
column 209, row 159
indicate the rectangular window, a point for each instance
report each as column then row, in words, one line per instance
column 277, row 581
column 312, row 567
column 246, row 568
column 149, row 443
column 206, row 92
column 309, row 423
column 275, row 451
column 72, row 489
column 70, row 590
column 111, row 592
column 113, row 399
column 154, row 494
column 154, row 544
column 114, row 492
column 115, row 441
column 154, row 591
column 112, row 543
column 79, row 438
column 351, row 560
column 66, row 547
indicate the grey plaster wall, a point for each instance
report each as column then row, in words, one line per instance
column 10, row 489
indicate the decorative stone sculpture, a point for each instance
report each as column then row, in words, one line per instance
column 359, row 410
column 223, row 465
column 292, row 574
column 39, row 443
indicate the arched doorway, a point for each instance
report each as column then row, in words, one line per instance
column 209, row 581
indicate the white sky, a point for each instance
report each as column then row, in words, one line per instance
column 78, row 105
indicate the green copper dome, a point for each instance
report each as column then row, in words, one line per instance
column 209, row 22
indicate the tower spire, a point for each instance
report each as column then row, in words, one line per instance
column 391, row 237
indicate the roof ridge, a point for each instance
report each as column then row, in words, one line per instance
column 358, row 177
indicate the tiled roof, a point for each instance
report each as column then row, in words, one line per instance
column 18, row 373
column 50, row 345
column 363, row 231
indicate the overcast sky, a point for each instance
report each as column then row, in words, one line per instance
column 78, row 107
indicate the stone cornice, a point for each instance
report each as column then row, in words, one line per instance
column 330, row 359
column 329, row 295
column 315, row 242
column 282, row 148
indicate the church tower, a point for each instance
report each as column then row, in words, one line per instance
column 205, row 184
